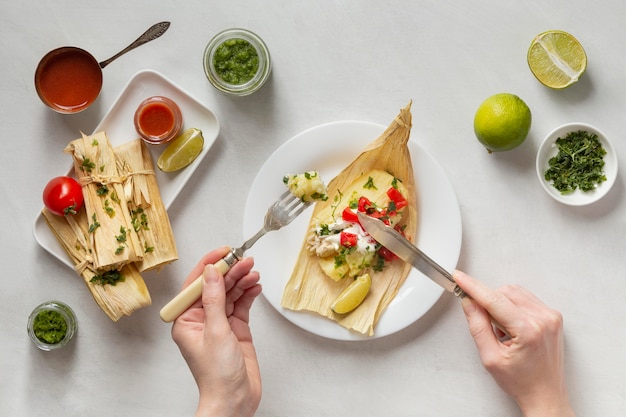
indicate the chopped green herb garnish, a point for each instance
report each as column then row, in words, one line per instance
column 324, row 230
column 108, row 209
column 337, row 201
column 108, row 277
column 122, row 239
column 122, row 236
column 319, row 196
column 579, row 163
column 379, row 265
column 94, row 225
column 139, row 220
column 102, row 190
column 370, row 184
column 87, row 165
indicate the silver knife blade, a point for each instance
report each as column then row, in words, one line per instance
column 408, row 252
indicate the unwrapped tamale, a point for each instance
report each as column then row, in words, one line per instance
column 309, row 288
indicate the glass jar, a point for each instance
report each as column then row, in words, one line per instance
column 158, row 120
column 232, row 74
column 51, row 325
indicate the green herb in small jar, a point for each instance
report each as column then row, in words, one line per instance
column 51, row 325
column 237, row 62
column 579, row 163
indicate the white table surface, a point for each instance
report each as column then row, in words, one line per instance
column 332, row 60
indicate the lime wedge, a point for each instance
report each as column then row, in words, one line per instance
column 182, row 151
column 557, row 59
column 353, row 295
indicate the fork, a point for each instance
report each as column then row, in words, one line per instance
column 280, row 214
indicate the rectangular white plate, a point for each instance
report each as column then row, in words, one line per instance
column 119, row 127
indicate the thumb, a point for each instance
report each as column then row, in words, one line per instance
column 213, row 297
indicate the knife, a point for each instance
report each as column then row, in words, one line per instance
column 408, row 252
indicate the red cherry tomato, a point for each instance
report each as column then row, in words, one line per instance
column 397, row 197
column 386, row 254
column 347, row 239
column 364, row 204
column 63, row 196
column 349, row 215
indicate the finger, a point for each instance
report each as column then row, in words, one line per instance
column 233, row 295
column 496, row 303
column 239, row 320
column 209, row 258
column 479, row 324
column 533, row 307
column 522, row 297
column 239, row 270
column 244, row 303
column 213, row 300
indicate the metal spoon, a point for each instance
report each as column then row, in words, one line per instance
column 154, row 32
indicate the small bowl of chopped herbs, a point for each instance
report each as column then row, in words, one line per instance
column 576, row 164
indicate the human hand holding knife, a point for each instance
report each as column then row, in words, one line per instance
column 408, row 252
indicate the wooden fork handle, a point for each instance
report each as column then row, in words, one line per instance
column 189, row 294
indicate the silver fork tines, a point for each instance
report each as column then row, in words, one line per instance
column 280, row 214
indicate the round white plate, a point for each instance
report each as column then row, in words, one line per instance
column 328, row 149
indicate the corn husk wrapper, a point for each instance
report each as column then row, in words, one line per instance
column 95, row 165
column 149, row 216
column 309, row 288
column 115, row 300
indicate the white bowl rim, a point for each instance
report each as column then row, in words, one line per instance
column 547, row 149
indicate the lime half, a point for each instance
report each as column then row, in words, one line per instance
column 353, row 295
column 182, row 151
column 557, row 59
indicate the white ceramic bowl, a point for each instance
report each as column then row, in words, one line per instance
column 548, row 149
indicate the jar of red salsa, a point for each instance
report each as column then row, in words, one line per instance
column 158, row 120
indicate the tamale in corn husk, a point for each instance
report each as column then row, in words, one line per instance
column 149, row 216
column 112, row 236
column 309, row 288
column 117, row 300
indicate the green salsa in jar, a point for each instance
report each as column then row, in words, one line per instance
column 236, row 61
column 51, row 325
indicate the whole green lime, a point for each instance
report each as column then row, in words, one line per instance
column 502, row 122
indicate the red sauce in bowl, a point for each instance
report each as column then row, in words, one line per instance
column 68, row 79
column 158, row 120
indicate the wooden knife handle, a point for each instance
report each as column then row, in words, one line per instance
column 190, row 293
